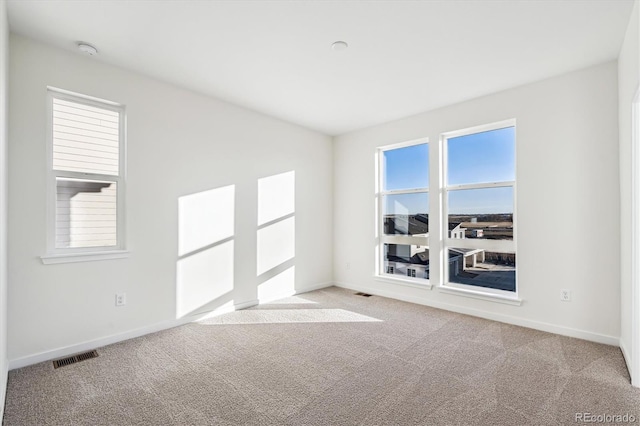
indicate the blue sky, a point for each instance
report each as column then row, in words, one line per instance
column 478, row 158
column 407, row 168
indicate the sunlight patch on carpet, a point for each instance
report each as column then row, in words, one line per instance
column 286, row 316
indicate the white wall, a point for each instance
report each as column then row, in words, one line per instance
column 567, row 202
column 628, row 79
column 4, row 51
column 179, row 143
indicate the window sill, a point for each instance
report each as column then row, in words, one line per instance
column 51, row 259
column 497, row 298
column 400, row 281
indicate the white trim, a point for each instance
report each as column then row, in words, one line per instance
column 403, row 144
column 627, row 357
column 4, row 376
column 119, row 180
column 511, row 122
column 119, row 337
column 84, row 257
column 504, row 246
column 296, row 292
column 633, row 358
column 89, row 100
column 486, row 314
column 405, row 191
column 314, row 287
column 411, row 240
column 387, row 278
column 482, row 294
column 380, row 193
column 482, row 185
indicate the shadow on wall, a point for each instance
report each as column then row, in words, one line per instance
column 205, row 279
column 276, row 235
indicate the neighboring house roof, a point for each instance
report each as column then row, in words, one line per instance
column 406, row 224
column 465, row 251
column 453, row 225
column 421, row 258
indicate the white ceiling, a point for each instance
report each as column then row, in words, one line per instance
column 404, row 57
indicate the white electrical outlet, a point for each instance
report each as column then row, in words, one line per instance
column 121, row 299
column 565, row 295
column 348, row 265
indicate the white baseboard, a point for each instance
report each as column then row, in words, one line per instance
column 303, row 290
column 625, row 354
column 314, row 287
column 537, row 325
column 119, row 337
column 3, row 387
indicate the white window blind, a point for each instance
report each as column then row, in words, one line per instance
column 85, row 138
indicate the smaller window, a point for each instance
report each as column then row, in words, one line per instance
column 403, row 210
column 86, row 174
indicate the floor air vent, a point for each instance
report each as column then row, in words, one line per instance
column 363, row 294
column 74, row 358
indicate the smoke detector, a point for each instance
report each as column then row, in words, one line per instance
column 339, row 45
column 87, row 49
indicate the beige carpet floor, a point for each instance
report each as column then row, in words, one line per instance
column 330, row 357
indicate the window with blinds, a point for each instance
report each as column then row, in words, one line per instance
column 86, row 173
column 85, row 138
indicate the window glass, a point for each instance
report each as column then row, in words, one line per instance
column 482, row 268
column 406, row 260
column 480, row 203
column 481, row 213
column 86, row 213
column 406, row 214
column 481, row 157
column 406, row 168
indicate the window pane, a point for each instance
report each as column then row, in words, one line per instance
column 406, row 214
column 406, row 260
column 406, row 168
column 482, row 268
column 482, row 157
column 85, row 138
column 86, row 213
column 481, row 213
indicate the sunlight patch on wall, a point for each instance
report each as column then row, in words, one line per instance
column 279, row 286
column 276, row 244
column 204, row 277
column 287, row 316
column 276, row 197
column 205, row 218
column 205, row 267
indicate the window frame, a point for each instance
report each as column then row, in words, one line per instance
column 71, row 254
column 383, row 239
column 502, row 246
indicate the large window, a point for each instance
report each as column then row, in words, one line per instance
column 472, row 245
column 404, row 211
column 86, row 174
column 478, row 208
